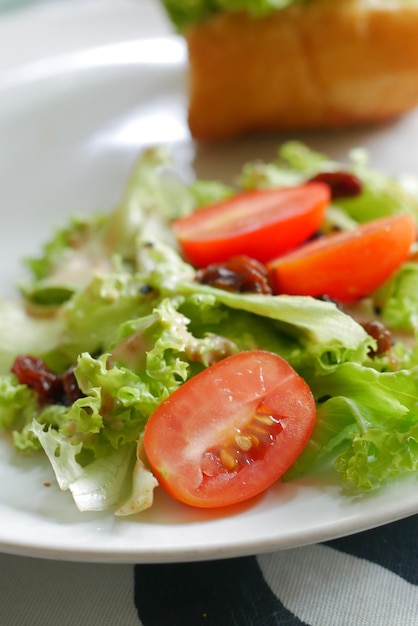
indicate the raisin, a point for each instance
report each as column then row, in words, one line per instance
column 34, row 372
column 342, row 184
column 241, row 274
column 50, row 388
column 381, row 334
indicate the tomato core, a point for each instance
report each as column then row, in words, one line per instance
column 244, row 446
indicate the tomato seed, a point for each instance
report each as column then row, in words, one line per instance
column 255, row 440
column 245, row 447
column 244, row 442
column 265, row 419
column 228, row 460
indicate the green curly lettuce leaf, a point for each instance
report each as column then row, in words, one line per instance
column 368, row 425
column 184, row 13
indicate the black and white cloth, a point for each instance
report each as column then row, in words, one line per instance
column 368, row 579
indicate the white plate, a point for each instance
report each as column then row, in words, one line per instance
column 82, row 90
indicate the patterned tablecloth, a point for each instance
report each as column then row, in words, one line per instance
column 368, row 579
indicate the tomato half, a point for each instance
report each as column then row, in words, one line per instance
column 348, row 265
column 231, row 431
column 261, row 224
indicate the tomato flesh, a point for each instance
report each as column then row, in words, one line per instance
column 230, row 432
column 261, row 224
column 348, row 265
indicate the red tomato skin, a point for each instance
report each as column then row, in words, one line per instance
column 348, row 265
column 261, row 224
column 203, row 412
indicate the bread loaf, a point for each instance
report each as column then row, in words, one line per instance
column 317, row 64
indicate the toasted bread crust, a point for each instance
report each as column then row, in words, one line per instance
column 326, row 64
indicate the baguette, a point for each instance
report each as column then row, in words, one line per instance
column 323, row 64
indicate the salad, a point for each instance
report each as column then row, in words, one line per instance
column 197, row 10
column 167, row 343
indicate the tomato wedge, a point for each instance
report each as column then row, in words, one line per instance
column 231, row 431
column 348, row 265
column 261, row 224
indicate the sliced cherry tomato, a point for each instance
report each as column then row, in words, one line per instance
column 348, row 265
column 260, row 224
column 231, row 431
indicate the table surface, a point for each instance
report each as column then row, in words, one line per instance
column 367, row 579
